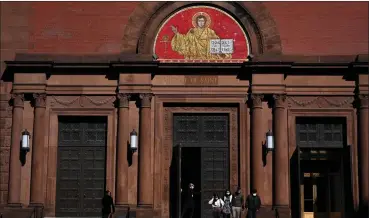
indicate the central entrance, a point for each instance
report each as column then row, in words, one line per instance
column 200, row 156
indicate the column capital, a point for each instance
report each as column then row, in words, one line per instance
column 257, row 100
column 123, row 99
column 146, row 99
column 279, row 101
column 39, row 99
column 363, row 101
column 18, row 100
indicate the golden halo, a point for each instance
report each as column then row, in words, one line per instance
column 194, row 19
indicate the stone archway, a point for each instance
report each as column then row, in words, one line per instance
column 254, row 17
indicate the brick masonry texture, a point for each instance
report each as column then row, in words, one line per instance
column 304, row 28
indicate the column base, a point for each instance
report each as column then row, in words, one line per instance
column 38, row 209
column 282, row 211
column 14, row 205
column 144, row 211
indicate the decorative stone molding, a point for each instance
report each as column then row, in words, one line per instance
column 257, row 100
column 168, row 145
column 146, row 100
column 320, row 101
column 123, row 99
column 279, row 101
column 81, row 101
column 363, row 101
column 18, row 100
column 39, row 99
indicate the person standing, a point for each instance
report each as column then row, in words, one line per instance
column 227, row 208
column 237, row 204
column 253, row 203
column 189, row 204
column 107, row 205
column 217, row 205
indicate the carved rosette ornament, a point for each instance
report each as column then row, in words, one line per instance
column 257, row 100
column 279, row 101
column 363, row 101
column 123, row 99
column 18, row 100
column 39, row 99
column 145, row 100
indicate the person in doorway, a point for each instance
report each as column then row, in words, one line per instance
column 217, row 205
column 227, row 208
column 253, row 204
column 237, row 204
column 107, row 205
column 189, row 203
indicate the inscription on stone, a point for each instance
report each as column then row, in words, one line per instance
column 201, row 80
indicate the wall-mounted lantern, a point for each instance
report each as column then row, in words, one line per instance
column 133, row 141
column 25, row 141
column 269, row 141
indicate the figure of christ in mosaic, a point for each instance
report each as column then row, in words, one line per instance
column 195, row 44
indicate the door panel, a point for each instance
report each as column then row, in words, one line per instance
column 211, row 134
column 69, row 199
column 215, row 171
column 81, row 166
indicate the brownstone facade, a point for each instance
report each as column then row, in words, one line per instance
column 95, row 59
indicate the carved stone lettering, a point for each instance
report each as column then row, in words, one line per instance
column 201, row 80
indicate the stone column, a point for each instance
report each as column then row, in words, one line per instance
column 257, row 139
column 145, row 180
column 14, row 184
column 364, row 151
column 121, row 193
column 280, row 158
column 37, row 167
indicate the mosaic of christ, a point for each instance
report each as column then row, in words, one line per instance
column 201, row 33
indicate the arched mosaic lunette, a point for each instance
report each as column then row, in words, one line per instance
column 144, row 22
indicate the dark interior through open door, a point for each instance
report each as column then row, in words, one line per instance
column 204, row 160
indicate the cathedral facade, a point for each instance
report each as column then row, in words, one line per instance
column 142, row 99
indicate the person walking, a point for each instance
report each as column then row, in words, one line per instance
column 237, row 204
column 189, row 204
column 253, row 204
column 217, row 205
column 227, row 208
column 107, row 205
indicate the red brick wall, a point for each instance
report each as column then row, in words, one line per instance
column 309, row 28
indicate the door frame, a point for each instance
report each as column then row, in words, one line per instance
column 168, row 144
column 351, row 137
column 52, row 150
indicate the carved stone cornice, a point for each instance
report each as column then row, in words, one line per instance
column 363, row 101
column 257, row 100
column 18, row 100
column 39, row 99
column 279, row 101
column 146, row 100
column 123, row 99
column 320, row 101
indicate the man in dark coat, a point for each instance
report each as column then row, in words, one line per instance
column 107, row 205
column 189, row 203
column 253, row 204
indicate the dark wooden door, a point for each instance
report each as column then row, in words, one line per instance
column 81, row 166
column 211, row 134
